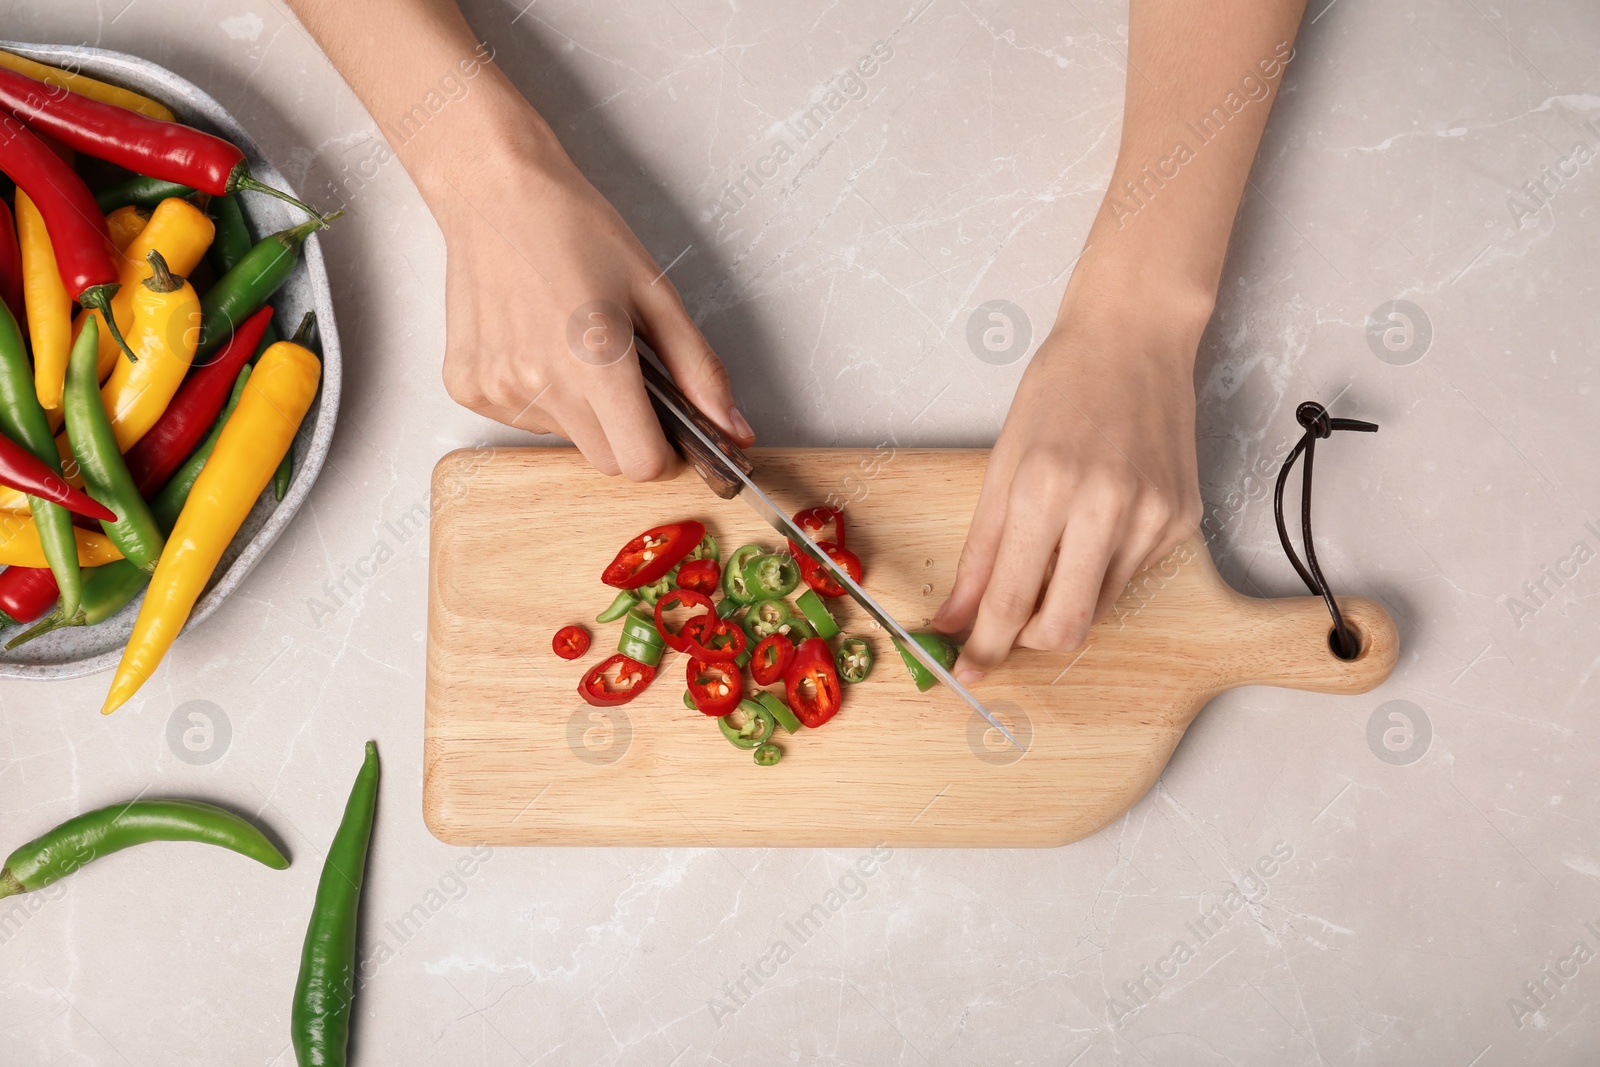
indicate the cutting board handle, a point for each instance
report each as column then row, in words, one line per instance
column 716, row 470
column 1289, row 641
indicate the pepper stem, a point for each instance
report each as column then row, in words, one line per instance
column 162, row 280
column 302, row 335
column 10, row 886
column 98, row 298
column 53, row 621
column 242, row 179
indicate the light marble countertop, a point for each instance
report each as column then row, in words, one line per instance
column 1432, row 898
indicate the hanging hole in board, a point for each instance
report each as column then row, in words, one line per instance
column 1355, row 634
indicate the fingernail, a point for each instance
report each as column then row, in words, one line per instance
column 740, row 426
column 969, row 677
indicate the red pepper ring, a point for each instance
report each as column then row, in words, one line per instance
column 812, row 683
column 700, row 575
column 678, row 640
column 631, row 679
column 771, row 659
column 704, row 636
column 820, row 579
column 814, row 521
column 651, row 555
column 714, row 687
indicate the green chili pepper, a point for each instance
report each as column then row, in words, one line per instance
column 240, row 293
column 23, row 420
column 855, row 660
column 747, row 725
column 285, row 471
column 817, row 614
column 640, row 640
column 649, row 594
column 733, row 586
column 799, row 628
column 706, row 549
column 146, row 192
column 619, row 607
column 94, row 446
column 688, row 701
column 780, row 711
column 938, row 646
column 771, row 575
column 768, row 755
column 109, row 588
column 767, row 617
column 728, row 607
column 319, row 1021
column 232, row 241
column 57, row 853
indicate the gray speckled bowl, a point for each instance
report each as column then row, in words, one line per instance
column 83, row 650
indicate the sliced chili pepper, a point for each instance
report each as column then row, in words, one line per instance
column 652, row 554
column 768, row 755
column 705, row 636
column 570, row 642
column 639, row 639
column 620, row 606
column 780, row 711
column 616, row 680
column 818, row 578
column 767, row 617
column 715, row 687
column 812, row 684
column 771, row 659
column 748, row 725
column 815, row 522
column 817, row 614
column 854, row 660
column 733, row 586
column 699, row 576
column 649, row 594
column 706, row 549
column 937, row 645
column 771, row 575
column 678, row 640
column 169, row 151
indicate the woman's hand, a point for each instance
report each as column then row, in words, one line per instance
column 1092, row 478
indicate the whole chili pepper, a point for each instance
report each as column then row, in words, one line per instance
column 77, row 228
column 26, row 594
column 22, row 470
column 94, row 445
column 109, row 588
column 56, row 853
column 285, row 471
column 193, row 409
column 233, row 240
column 251, row 282
column 49, row 305
column 23, row 420
column 10, row 264
column 319, row 1020
column 275, row 400
column 166, row 324
column 139, row 191
column 86, row 86
column 20, row 545
column 169, row 151
column 124, row 224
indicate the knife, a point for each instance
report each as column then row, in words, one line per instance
column 726, row 468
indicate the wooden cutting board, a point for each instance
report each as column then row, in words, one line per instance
column 513, row 756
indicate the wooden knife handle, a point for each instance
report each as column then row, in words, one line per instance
column 714, row 467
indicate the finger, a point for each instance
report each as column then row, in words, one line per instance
column 688, row 357
column 1029, row 538
column 960, row 608
column 1127, row 562
column 531, row 418
column 1069, row 600
column 580, row 426
column 625, row 415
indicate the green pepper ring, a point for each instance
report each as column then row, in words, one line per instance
column 755, row 728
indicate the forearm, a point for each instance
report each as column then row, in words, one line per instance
column 427, row 81
column 1201, row 82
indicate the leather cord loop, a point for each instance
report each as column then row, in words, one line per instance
column 1314, row 418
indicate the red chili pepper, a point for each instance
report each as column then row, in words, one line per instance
column 616, row 680
column 771, row 659
column 10, row 264
column 812, row 683
column 715, row 688
column 819, row 579
column 703, row 636
column 168, row 151
column 193, row 409
column 27, row 593
column 700, row 575
column 22, row 470
column 77, row 230
column 652, row 554
column 570, row 642
column 814, row 521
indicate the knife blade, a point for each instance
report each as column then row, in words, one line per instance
column 726, row 469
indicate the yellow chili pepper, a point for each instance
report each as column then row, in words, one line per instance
column 49, row 305
column 274, row 402
column 86, row 86
column 178, row 230
column 166, row 330
column 19, row 543
column 126, row 223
